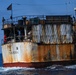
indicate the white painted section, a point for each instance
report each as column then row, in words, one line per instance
column 37, row 32
column 18, row 45
column 14, row 52
column 52, row 34
column 57, row 51
column 6, row 50
column 4, row 53
column 20, row 52
column 18, row 48
column 69, row 33
column 66, row 30
column 25, row 32
column 63, row 29
column 23, row 51
column 55, row 34
column 48, row 34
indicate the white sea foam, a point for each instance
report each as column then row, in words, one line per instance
column 54, row 67
column 55, row 70
column 4, row 69
column 71, row 67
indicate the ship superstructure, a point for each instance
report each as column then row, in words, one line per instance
column 38, row 41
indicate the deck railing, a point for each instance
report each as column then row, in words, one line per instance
column 36, row 19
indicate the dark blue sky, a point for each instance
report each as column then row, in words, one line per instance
column 36, row 7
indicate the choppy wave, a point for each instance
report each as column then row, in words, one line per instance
column 51, row 70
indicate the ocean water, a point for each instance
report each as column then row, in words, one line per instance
column 51, row 70
column 1, row 60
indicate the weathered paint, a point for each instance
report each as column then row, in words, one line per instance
column 52, row 33
column 28, row 52
column 6, row 53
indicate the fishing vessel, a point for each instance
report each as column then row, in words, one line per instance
column 39, row 41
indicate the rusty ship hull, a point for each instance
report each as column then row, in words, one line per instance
column 50, row 42
column 29, row 54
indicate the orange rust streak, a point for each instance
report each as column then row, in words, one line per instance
column 65, row 51
column 61, row 51
column 42, row 53
column 45, row 52
column 58, row 31
column 8, row 55
column 72, row 51
column 27, row 55
column 39, row 53
column 53, row 52
column 68, row 51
